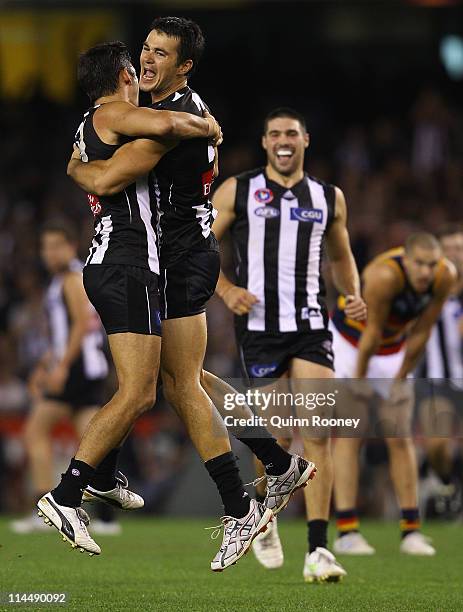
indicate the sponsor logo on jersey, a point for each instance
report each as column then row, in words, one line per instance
column 207, row 179
column 307, row 313
column 94, row 203
column 309, row 215
column 264, row 196
column 261, row 370
column 269, row 212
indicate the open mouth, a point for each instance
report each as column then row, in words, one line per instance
column 147, row 74
column 284, row 154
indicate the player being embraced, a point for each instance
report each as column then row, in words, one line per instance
column 188, row 270
column 279, row 219
column 120, row 278
column 405, row 290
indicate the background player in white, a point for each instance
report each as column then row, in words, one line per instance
column 440, row 399
column 405, row 290
column 279, row 219
column 189, row 265
column 68, row 381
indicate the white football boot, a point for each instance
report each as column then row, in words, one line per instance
column 70, row 522
column 238, row 534
column 281, row 488
column 267, row 547
column 352, row 544
column 416, row 543
column 321, row 566
column 110, row 528
column 28, row 524
column 120, row 497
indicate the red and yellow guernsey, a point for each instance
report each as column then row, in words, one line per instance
column 406, row 307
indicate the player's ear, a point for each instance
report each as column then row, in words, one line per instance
column 125, row 77
column 264, row 142
column 306, row 140
column 185, row 68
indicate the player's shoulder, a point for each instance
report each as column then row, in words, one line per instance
column 385, row 270
column 250, row 174
column 184, row 100
column 446, row 275
column 322, row 183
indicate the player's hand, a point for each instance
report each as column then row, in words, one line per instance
column 355, row 308
column 57, row 378
column 401, row 391
column 215, row 131
column 361, row 389
column 239, row 300
column 75, row 157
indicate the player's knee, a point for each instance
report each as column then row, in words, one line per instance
column 139, row 399
column 399, row 444
column 174, row 389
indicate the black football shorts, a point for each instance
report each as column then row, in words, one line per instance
column 186, row 286
column 125, row 297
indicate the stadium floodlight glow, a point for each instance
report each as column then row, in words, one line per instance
column 451, row 54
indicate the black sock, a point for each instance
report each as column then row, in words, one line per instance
column 267, row 450
column 73, row 482
column 224, row 472
column 317, row 534
column 104, row 478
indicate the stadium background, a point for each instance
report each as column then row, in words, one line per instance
column 380, row 84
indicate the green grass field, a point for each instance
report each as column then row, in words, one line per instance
column 162, row 564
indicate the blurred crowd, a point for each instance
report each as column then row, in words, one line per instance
column 398, row 173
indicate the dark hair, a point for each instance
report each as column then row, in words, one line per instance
column 99, row 67
column 284, row 111
column 423, row 240
column 450, row 229
column 189, row 34
column 60, row 226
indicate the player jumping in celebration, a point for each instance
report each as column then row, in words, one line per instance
column 120, row 278
column 405, row 290
column 68, row 381
column 279, row 218
column 189, row 266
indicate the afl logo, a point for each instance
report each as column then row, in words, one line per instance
column 260, row 371
column 264, row 196
column 311, row 215
column 268, row 212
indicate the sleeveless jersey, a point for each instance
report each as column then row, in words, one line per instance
column 125, row 223
column 278, row 238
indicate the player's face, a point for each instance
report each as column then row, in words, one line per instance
column 452, row 247
column 285, row 142
column 56, row 251
column 421, row 265
column 158, row 62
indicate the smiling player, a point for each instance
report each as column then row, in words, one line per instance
column 279, row 218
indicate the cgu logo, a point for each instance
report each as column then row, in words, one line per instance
column 268, row 212
column 259, row 371
column 310, row 215
column 94, row 203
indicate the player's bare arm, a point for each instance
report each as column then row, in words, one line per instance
column 420, row 332
column 343, row 266
column 237, row 299
column 124, row 118
column 110, row 176
column 381, row 285
column 78, row 305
